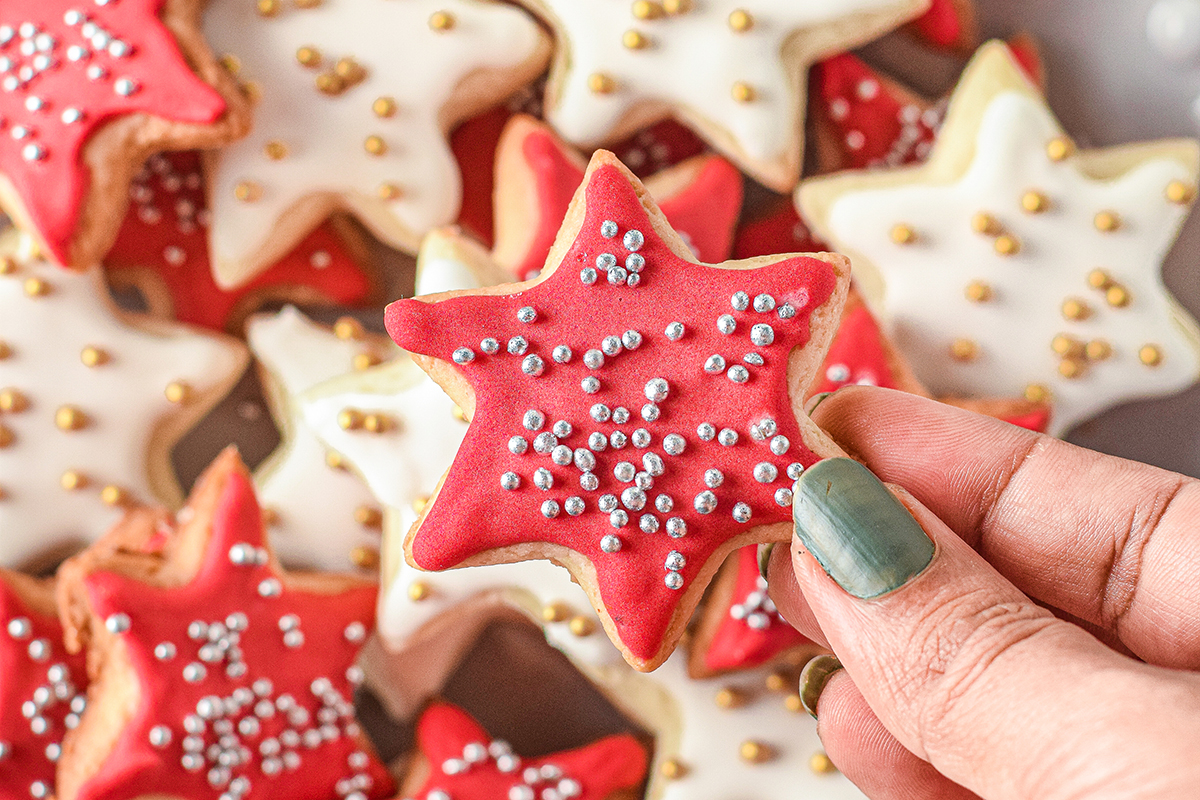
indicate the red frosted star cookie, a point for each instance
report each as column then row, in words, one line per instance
column 162, row 249
column 948, row 24
column 41, row 687
column 89, row 91
column 459, row 761
column 632, row 410
column 216, row 672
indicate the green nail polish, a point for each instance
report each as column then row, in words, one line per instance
column 813, row 680
column 861, row 535
column 815, row 401
column 764, row 557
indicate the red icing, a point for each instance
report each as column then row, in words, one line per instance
column 165, row 87
column 874, row 126
column 780, row 230
column 446, row 734
column 857, row 355
column 941, row 25
column 1036, row 420
column 166, row 231
column 273, row 672
column 751, row 632
column 31, row 655
column 474, row 146
column 557, row 176
column 478, row 515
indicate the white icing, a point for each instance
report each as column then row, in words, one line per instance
column 405, row 59
column 924, row 307
column 1173, row 27
column 123, row 399
column 692, row 63
column 313, row 503
column 443, row 274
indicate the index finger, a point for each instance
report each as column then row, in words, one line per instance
column 1109, row 541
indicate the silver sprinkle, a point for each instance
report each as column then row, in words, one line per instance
column 517, row 345
column 713, row 478
column 587, row 276
column 633, row 498
column 618, row 519
column 726, row 324
column 740, row 301
column 633, row 240
column 635, row 262
column 762, row 335
column 765, row 472
column 675, row 561
column 490, row 346
column 783, row 497
column 608, row 229
column 706, row 502
column 550, row 509
column 611, row 345
column 545, row 442
column 617, row 276
column 795, row 470
column 650, row 412
column 533, row 420
column 517, row 445
column 641, row 438
column 463, row 355
column 542, row 479
column 657, row 390
column 787, row 311
column 117, row 623
column 593, row 359
column 574, row 506
column 242, row 555
column 562, row 455
column 676, row 528
column 526, row 314
column 194, row 673
column 675, row 331
column 624, row 471
column 608, row 503
column 664, row 503
column 633, row 280
column 605, row 262
column 706, row 431
column 589, row 482
column 764, row 303
column 584, row 459
column 741, row 513
column 674, row 444
column 715, row 365
column 20, row 628
column 763, row 429
column 643, row 481
column 533, row 365
column 738, row 374
column 620, row 415
column 728, row 437
column 610, row 544
column 510, row 481
column 562, row 428
column 590, row 384
column 780, row 445
column 654, row 464
column 631, row 339
column 562, row 354
column 648, row 523
column 601, row 412
column 270, row 587
column 164, row 651
column 674, row 580
column 597, row 441
column 617, row 440
column 160, row 736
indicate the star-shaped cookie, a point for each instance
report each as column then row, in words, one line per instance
column 235, row 676
column 89, row 91
column 320, row 516
column 636, row 443
column 732, row 71
column 1015, row 263
column 353, row 105
column 41, row 687
column 162, row 250
column 91, row 402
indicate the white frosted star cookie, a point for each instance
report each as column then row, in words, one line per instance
column 1013, row 262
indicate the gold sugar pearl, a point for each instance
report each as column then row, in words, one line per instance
column 1098, row 350
column 418, row 591
column 1180, row 193
column 676, row 7
column 600, row 83
column 349, row 70
column 1099, row 279
column 388, row 191
column 231, row 63
column 1035, row 202
column 7, row 437
column 73, row 480
column 418, row 504
column 979, row 292
column 348, row 328
column 740, row 20
column 743, row 92
column 252, row 91
column 375, row 145
column 964, row 350
column 70, row 418
column 377, row 423
column 672, row 769
column 1151, row 355
column 729, row 697
column 306, row 4
column 178, row 392
column 645, row 9
column 903, row 234
column 1007, row 245
column 1060, row 149
column 365, row 557
column 93, row 356
column 275, row 150
column 986, row 224
column 1117, row 296
column 12, row 401
column 820, row 764
column 384, row 107
column 349, row 419
column 270, row 516
column 581, row 626
column 330, row 83
column 1076, row 310
column 364, row 361
column 247, row 191
column 1037, row 393
column 36, row 287
column 1108, row 221
column 308, row 56
column 793, row 703
column 114, row 496
column 442, row 21
column 368, row 516
column 5, row 350
column 1071, row 368
column 635, row 40
column 777, row 682
column 556, row 612
column 268, row 8
column 753, row 752
column 1067, row 346
column 7, row 266
column 334, row 460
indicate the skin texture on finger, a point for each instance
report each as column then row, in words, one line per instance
column 999, row 695
column 1108, row 541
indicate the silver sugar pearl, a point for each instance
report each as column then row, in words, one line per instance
column 589, row 482
column 715, row 365
column 787, row 311
column 641, row 438
column 620, row 415
column 762, row 335
column 726, row 324
column 740, row 301
column 517, row 345
column 664, row 503
column 674, row 444
column 728, row 437
column 610, row 544
column 601, row 413
column 713, row 478
column 561, row 354
column 633, row 280
column 593, row 359
column 635, row 262
column 706, row 502
column 650, row 412
column 741, row 513
column 611, row 345
column 738, row 374
column 617, row 276
column 533, row 420
column 617, row 440
column 783, row 497
column 20, row 628
column 510, row 481
column 676, row 528
column 526, row 314
column 764, row 303
column 654, row 464
column 706, row 431
column 624, row 471
column 673, row 580
column 631, row 339
column 542, row 479
column 648, row 523
column 587, row 276
column 644, row 481
column 754, row 359
column 160, row 736
column 675, row 561
column 463, row 355
column 657, row 389
column 608, row 503
column 765, row 472
column 597, row 441
column 574, row 506
column 605, row 262
column 633, row 498
column 562, row 455
column 517, row 445
column 780, row 445
column 608, row 229
column 490, row 346
column 544, row 442
column 633, row 240
column 533, row 365
column 618, row 519
column 550, row 509
column 795, row 470
column 590, row 384
column 584, row 459
column 675, row 331
column 117, row 623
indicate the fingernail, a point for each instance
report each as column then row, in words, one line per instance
column 813, row 680
column 860, row 534
column 764, row 558
column 815, row 401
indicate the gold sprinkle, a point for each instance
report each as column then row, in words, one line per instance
column 268, row 8
column 5, row 350
column 1067, row 346
column 349, row 70
column 740, row 20
column 384, row 106
column 1151, row 355
column 1071, row 368
column 113, row 496
column 793, row 703
column 6, row 436
column 418, row 504
column 247, row 191
column 556, row 612
column 375, row 145
column 1060, row 149
column 364, row 557
column 1180, row 193
column 252, row 91
column 635, row 40
column 36, row 287
column 308, row 56
column 581, row 626
column 743, row 92
column 903, row 234
column 1098, row 350
column 1108, row 221
column 330, row 83
column 349, row 419
column 7, row 266
column 275, row 150
column 1099, row 279
column 645, row 9
column 1117, row 296
column 979, row 292
column 334, row 460
column 348, row 328
column 964, row 350
column 307, row 3
column 442, row 21
column 231, row 63
column 377, row 423
column 754, row 752
column 820, row 763
column 72, row 480
column 178, row 392
column 388, row 191
column 368, row 516
column 93, row 356
column 12, row 401
column 70, row 418
column 1037, row 393
column 986, row 224
column 1035, row 202
column 418, row 591
column 729, row 697
column 600, row 83
column 270, row 516
column 362, row 361
column 1007, row 245
column 1076, row 310
column 777, row 682
column 675, row 7
column 672, row 769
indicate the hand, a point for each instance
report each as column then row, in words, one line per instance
column 1046, row 644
